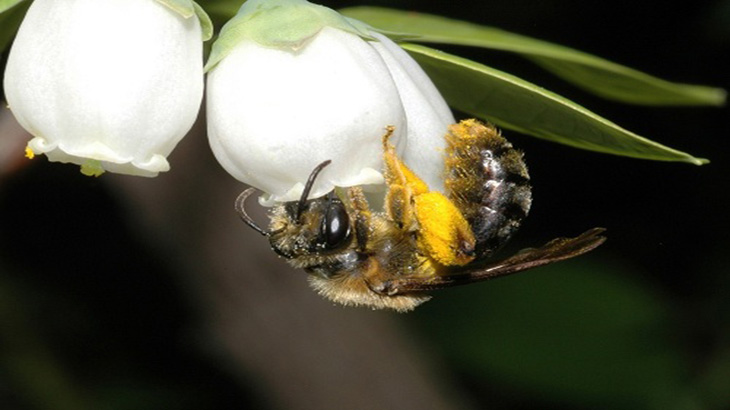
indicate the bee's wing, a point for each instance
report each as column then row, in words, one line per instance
column 553, row 251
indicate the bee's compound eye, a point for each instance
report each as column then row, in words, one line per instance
column 336, row 225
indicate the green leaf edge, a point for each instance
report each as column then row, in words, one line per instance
column 10, row 20
column 663, row 153
column 6, row 5
column 552, row 57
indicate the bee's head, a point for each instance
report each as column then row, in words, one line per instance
column 307, row 230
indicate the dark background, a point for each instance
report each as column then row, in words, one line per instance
column 130, row 293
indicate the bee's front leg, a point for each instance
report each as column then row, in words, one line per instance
column 359, row 208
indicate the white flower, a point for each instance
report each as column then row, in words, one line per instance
column 296, row 84
column 108, row 84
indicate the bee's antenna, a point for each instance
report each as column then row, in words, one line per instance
column 308, row 187
column 240, row 208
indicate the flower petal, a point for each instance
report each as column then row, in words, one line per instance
column 275, row 114
column 119, row 81
column 427, row 113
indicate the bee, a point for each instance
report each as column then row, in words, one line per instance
column 421, row 240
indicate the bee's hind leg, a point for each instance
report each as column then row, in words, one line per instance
column 441, row 230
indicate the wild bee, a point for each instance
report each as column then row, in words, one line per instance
column 422, row 240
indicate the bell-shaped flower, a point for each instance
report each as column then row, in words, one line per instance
column 292, row 84
column 108, row 84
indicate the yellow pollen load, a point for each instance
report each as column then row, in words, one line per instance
column 443, row 230
column 416, row 184
column 470, row 131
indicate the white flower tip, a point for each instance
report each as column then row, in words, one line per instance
column 292, row 194
column 97, row 158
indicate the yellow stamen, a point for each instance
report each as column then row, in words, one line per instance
column 29, row 153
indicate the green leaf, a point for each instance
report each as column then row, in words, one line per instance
column 10, row 19
column 578, row 332
column 513, row 103
column 222, row 9
column 6, row 5
column 594, row 74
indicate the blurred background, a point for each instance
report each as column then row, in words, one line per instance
column 130, row 293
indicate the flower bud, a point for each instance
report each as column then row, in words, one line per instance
column 108, row 84
column 292, row 84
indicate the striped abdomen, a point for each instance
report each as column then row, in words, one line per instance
column 488, row 180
